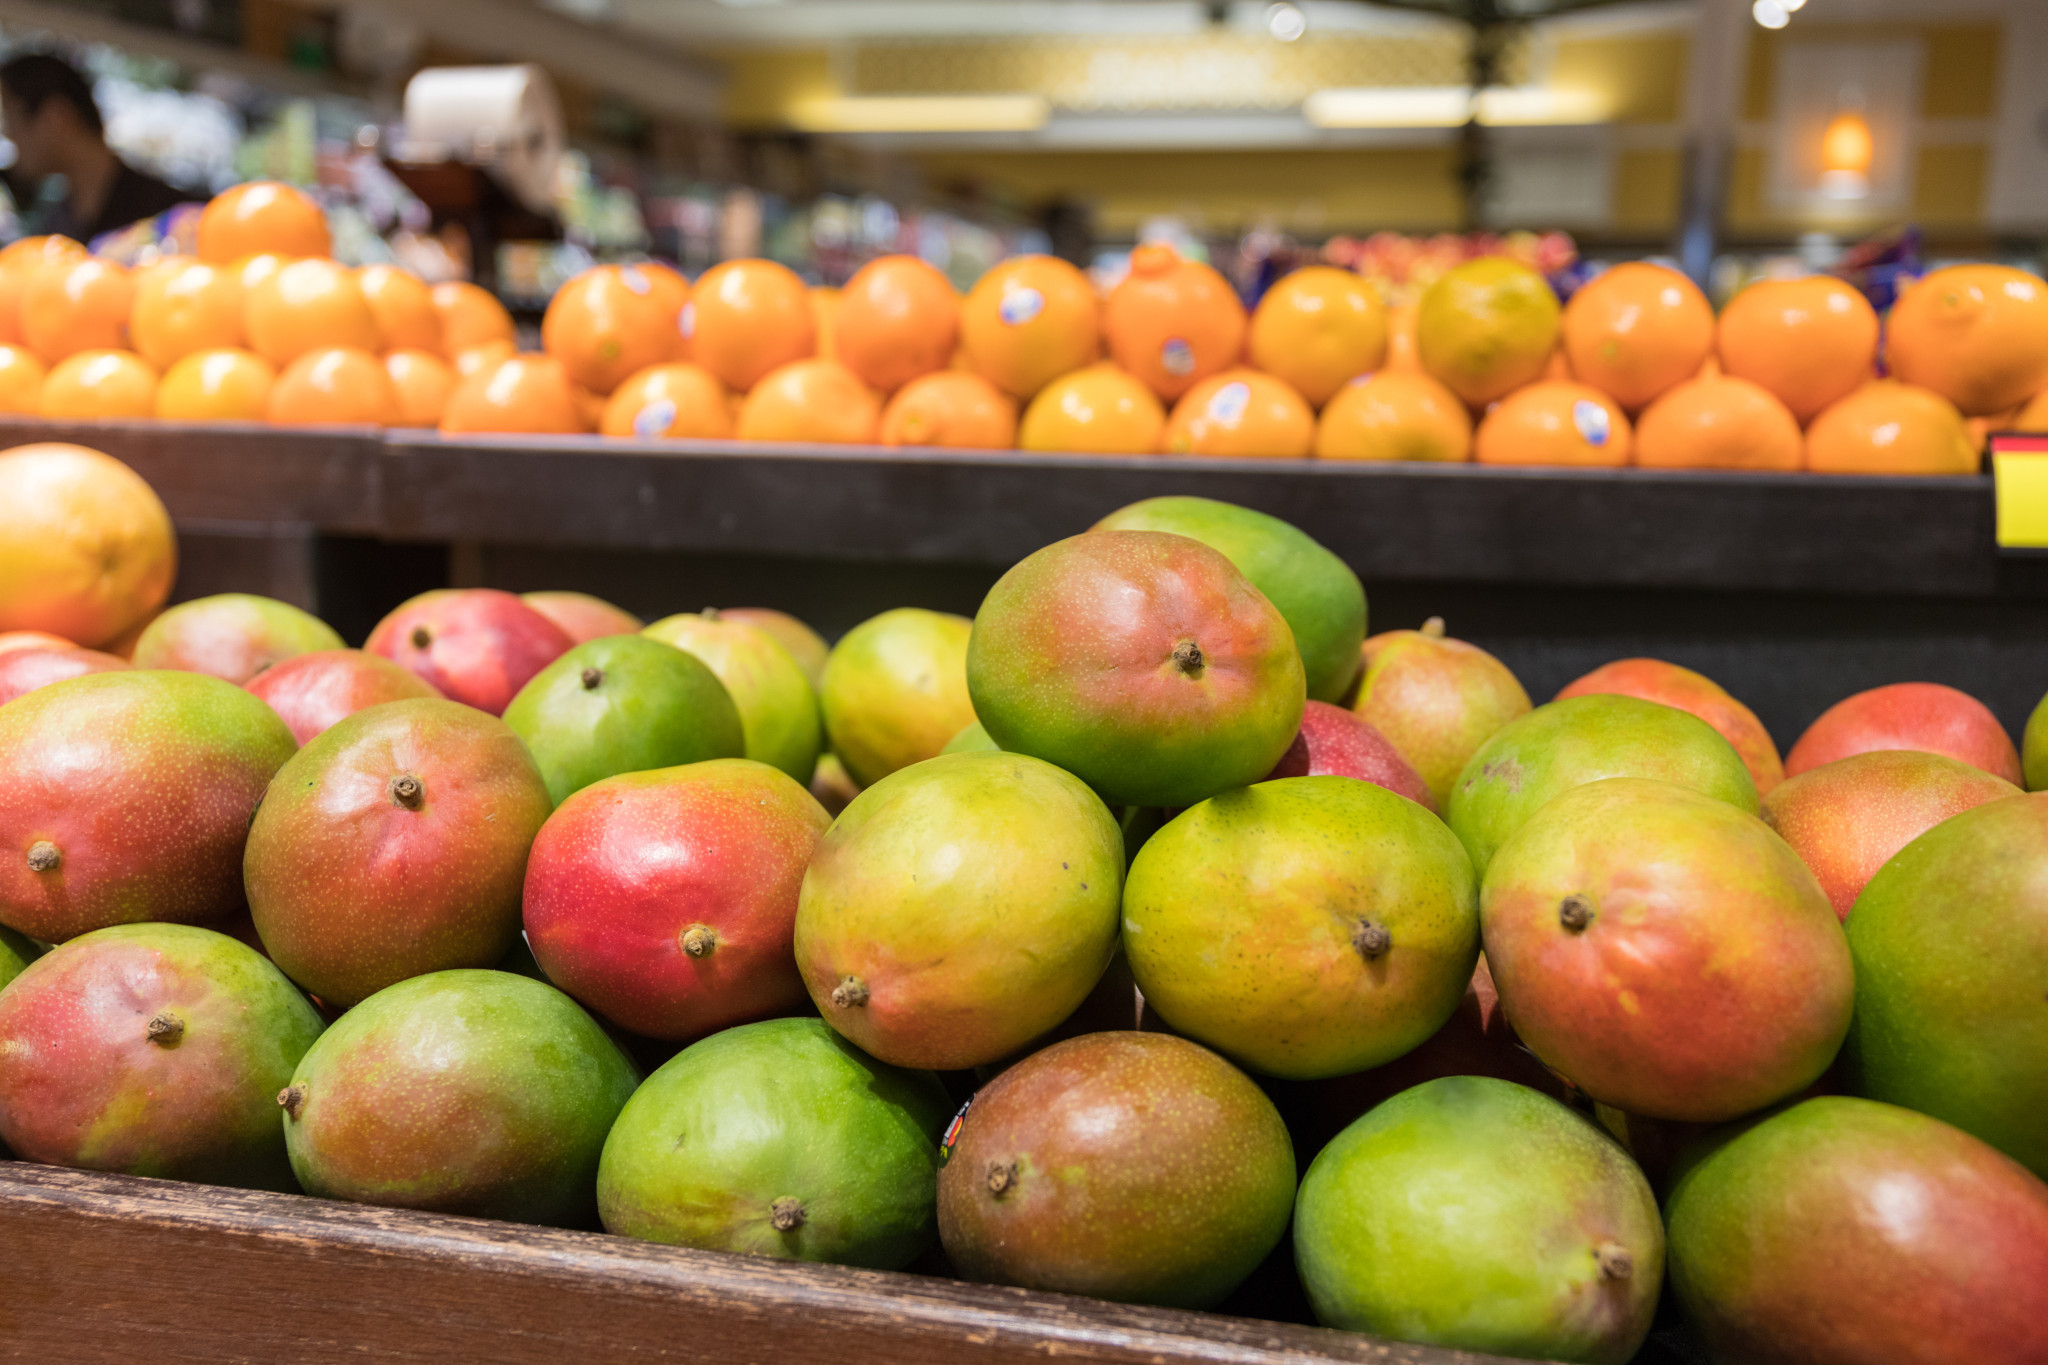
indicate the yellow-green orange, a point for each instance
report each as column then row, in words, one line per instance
column 1487, row 327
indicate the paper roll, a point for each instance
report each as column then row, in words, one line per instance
column 507, row 118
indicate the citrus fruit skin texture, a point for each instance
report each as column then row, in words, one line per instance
column 1637, row 329
column 1809, row 341
column 86, row 547
column 746, row 318
column 78, row 305
column 1241, row 414
column 812, row 400
column 262, row 216
column 1718, row 422
column 95, row 384
column 1098, row 410
column 226, row 385
column 21, row 380
column 609, row 323
column 1317, row 329
column 897, row 318
column 403, row 306
column 184, row 308
column 1753, row 1204
column 1470, row 1179
column 1171, row 322
column 1887, row 427
column 519, row 393
column 1975, row 334
column 1555, row 422
column 954, row 408
column 1486, row 328
column 1395, row 414
column 1029, row 320
column 470, row 317
column 333, row 385
column 420, row 384
column 20, row 263
column 677, row 399
column 1098, row 1140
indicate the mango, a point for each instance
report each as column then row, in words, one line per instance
column 234, row 635
column 1435, row 699
column 894, row 690
column 778, row 710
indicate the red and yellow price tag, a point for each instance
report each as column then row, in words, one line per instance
column 2019, row 473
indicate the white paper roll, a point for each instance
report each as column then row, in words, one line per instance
column 507, row 118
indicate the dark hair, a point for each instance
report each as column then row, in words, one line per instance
column 38, row 78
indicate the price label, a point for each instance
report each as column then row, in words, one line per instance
column 2019, row 473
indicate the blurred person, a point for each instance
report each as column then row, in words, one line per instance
column 55, row 125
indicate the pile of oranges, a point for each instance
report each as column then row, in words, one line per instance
column 260, row 324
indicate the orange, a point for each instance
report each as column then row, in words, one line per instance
column 810, row 400
column 608, row 323
column 185, row 308
column 747, row 317
column 1172, row 322
column 1317, row 329
column 1401, row 352
column 80, row 305
column 21, row 381
column 1808, row 341
column 470, row 316
column 1718, row 422
column 103, row 383
column 19, row 264
column 521, row 393
column 1028, row 321
column 950, row 408
column 1486, row 328
column 1395, row 415
column 1241, row 414
column 309, row 305
column 1975, row 334
column 825, row 316
column 1637, row 329
column 403, row 307
column 420, row 382
column 2034, row 416
column 677, row 399
column 1889, row 427
column 250, row 271
column 898, row 318
column 86, row 548
column 483, row 356
column 333, row 385
column 262, row 215
column 1553, row 422
column 1097, row 410
column 225, row 385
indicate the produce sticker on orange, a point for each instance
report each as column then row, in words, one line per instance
column 2019, row 472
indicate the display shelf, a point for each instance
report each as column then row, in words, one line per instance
column 1392, row 522
column 106, row 1268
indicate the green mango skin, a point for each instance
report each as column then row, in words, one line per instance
column 1531, row 761
column 143, row 783
column 786, row 1115
column 84, row 1083
column 1436, row 700
column 778, row 708
column 1323, row 601
column 1142, row 662
column 1841, row 1231
column 894, row 691
column 972, row 739
column 2034, row 748
column 467, row 1091
column 1130, row 1166
column 16, row 953
column 805, row 645
column 1477, row 1214
column 622, row 704
column 960, row 908
column 352, row 890
column 234, row 636
column 1242, row 920
column 1708, row 976
column 1950, row 940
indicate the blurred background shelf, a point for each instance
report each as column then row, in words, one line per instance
column 1792, row 590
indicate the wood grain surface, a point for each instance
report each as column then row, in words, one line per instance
column 103, row 1268
column 1926, row 537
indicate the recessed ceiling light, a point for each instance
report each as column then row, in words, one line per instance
column 1771, row 13
column 1286, row 22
